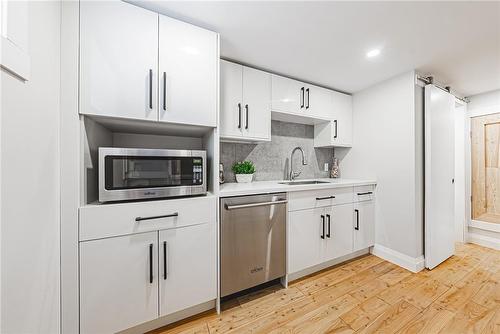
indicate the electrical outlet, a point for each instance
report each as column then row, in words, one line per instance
column 326, row 167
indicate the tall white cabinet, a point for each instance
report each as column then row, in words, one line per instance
column 118, row 60
column 137, row 64
column 245, row 109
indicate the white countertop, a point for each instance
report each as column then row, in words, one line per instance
column 261, row 187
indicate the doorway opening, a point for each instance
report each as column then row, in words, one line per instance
column 485, row 165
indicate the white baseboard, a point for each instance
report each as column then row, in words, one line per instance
column 410, row 263
column 483, row 240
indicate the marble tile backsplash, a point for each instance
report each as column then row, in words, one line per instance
column 271, row 159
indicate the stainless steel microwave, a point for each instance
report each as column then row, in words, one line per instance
column 133, row 174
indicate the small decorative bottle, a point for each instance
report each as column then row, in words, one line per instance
column 221, row 173
column 335, row 171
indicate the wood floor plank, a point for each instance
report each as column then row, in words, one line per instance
column 393, row 319
column 368, row 294
column 430, row 321
column 471, row 318
column 365, row 313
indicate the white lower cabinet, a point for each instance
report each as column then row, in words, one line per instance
column 118, row 282
column 304, row 239
column 339, row 231
column 187, row 267
column 364, row 225
column 132, row 279
column 318, row 235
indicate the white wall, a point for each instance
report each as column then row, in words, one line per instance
column 388, row 146
column 30, row 182
column 486, row 234
column 460, row 178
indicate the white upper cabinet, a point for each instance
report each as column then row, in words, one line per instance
column 118, row 60
column 338, row 132
column 288, row 95
column 188, row 66
column 137, row 64
column 245, row 103
column 320, row 102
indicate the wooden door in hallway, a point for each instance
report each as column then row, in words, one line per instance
column 485, row 161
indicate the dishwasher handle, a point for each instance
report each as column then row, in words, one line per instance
column 252, row 205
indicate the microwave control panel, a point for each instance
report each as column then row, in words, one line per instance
column 197, row 171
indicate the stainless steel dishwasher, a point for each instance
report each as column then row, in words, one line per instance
column 253, row 247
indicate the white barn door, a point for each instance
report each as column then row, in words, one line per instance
column 439, row 175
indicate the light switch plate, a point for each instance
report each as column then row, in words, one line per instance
column 326, row 167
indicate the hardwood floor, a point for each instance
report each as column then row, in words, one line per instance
column 370, row 295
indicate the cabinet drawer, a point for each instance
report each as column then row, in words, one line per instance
column 107, row 220
column 364, row 193
column 300, row 200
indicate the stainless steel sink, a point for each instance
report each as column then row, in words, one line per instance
column 292, row 183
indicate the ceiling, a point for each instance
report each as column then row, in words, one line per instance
column 326, row 42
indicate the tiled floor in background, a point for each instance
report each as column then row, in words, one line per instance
column 369, row 295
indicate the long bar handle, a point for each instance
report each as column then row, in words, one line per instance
column 323, row 198
column 246, row 109
column 366, row 193
column 302, row 97
column 323, row 226
column 165, row 260
column 307, row 91
column 328, row 233
column 239, row 115
column 164, row 90
column 357, row 220
column 252, row 205
column 336, row 129
column 150, row 89
column 138, row 219
column 151, row 263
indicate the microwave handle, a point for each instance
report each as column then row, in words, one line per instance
column 138, row 219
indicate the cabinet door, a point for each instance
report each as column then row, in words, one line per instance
column 339, row 231
column 320, row 102
column 364, row 225
column 342, row 124
column 187, row 267
column 188, row 60
column 287, row 95
column 118, row 60
column 231, row 101
column 305, row 242
column 118, row 282
column 257, row 104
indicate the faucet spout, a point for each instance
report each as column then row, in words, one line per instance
column 293, row 174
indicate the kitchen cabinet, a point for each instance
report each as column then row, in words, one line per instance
column 339, row 241
column 118, row 282
column 187, row 267
column 319, row 235
column 337, row 132
column 118, row 60
column 245, row 103
column 137, row 64
column 188, row 66
column 305, row 246
column 364, row 225
column 288, row 95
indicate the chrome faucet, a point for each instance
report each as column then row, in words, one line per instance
column 293, row 174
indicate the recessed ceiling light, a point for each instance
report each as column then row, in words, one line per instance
column 372, row 53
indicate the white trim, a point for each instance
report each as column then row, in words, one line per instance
column 14, row 59
column 476, row 112
column 483, row 240
column 485, row 226
column 413, row 264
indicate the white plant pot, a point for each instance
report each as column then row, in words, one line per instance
column 244, row 178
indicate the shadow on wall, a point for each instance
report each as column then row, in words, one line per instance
column 272, row 159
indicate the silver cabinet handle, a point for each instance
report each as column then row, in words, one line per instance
column 252, row 205
column 138, row 219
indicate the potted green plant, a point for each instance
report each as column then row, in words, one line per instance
column 244, row 171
